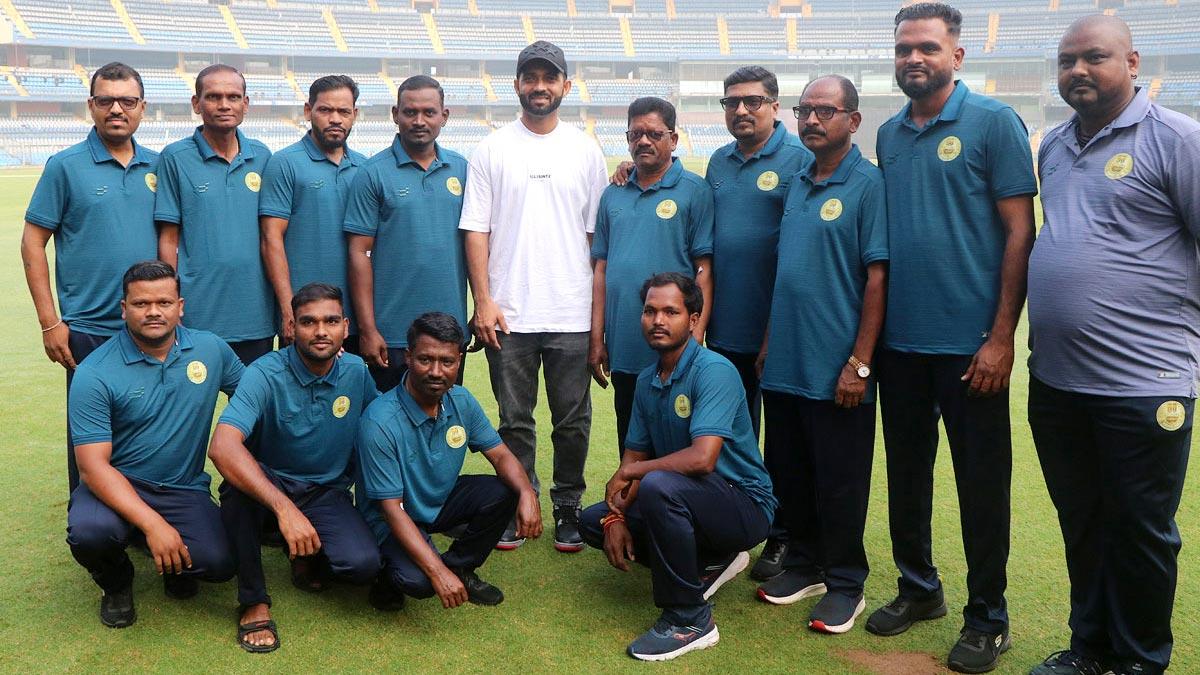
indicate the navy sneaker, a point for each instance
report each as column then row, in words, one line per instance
column 664, row 642
column 770, row 561
column 835, row 613
column 791, row 586
column 713, row 577
column 899, row 615
column 1069, row 662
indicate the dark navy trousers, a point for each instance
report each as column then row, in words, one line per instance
column 624, row 385
column 80, row 344
column 248, row 351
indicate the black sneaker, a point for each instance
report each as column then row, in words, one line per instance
column 385, row 597
column 791, row 586
column 479, row 592
column 977, row 651
column 899, row 615
column 1069, row 662
column 713, row 577
column 116, row 608
column 835, row 613
column 1136, row 668
column 509, row 541
column 180, row 587
column 567, row 538
column 770, row 561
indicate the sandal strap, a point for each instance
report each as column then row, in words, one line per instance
column 255, row 626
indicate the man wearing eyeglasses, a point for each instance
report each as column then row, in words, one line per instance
column 959, row 177
column 207, row 215
column 661, row 220
column 96, row 199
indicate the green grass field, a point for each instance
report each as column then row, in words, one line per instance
column 562, row 613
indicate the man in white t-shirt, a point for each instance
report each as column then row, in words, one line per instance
column 533, row 188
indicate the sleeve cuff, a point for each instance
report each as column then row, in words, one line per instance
column 874, row 257
column 1015, row 191
column 701, row 252
column 47, row 223
column 79, row 439
column 172, row 218
column 723, row 432
column 358, row 229
column 274, row 213
column 474, row 227
column 236, row 424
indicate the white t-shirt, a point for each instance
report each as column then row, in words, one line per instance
column 537, row 195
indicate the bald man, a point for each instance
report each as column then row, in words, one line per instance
column 1113, row 367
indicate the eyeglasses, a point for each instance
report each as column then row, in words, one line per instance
column 752, row 103
column 128, row 103
column 655, row 136
column 824, row 112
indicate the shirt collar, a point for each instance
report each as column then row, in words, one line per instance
column 101, row 153
column 245, row 151
column 316, row 155
column 681, row 368
column 1134, row 113
column 773, row 143
column 410, row 406
column 305, row 376
column 842, row 173
column 950, row 111
column 402, row 157
column 668, row 180
column 131, row 353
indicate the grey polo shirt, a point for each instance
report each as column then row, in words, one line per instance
column 1114, row 278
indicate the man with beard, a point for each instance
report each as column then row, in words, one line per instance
column 207, row 214
column 691, row 494
column 659, row 221
column 529, row 213
column 96, row 199
column 1114, row 327
column 960, row 185
column 303, row 200
column 302, row 404
column 140, row 410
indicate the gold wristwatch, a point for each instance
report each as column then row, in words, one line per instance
column 862, row 369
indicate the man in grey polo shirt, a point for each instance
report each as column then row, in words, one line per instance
column 1114, row 314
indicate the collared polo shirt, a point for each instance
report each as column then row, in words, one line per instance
column 301, row 186
column 156, row 414
column 947, row 239
column 831, row 231
column 215, row 204
column 102, row 217
column 306, row 423
column 702, row 397
column 418, row 258
column 640, row 233
column 749, row 196
column 1114, row 278
column 408, row 455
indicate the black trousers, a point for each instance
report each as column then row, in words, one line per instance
column 680, row 525
column 80, row 344
column 821, row 470
column 484, row 503
column 248, row 351
column 1115, row 473
column 915, row 390
column 346, row 542
column 624, row 385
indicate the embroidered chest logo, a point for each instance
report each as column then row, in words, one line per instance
column 197, row 372
column 253, row 181
column 831, row 210
column 1171, row 415
column 949, row 149
column 202, row 187
column 341, row 406
column 101, row 190
column 683, row 407
column 666, row 209
column 454, row 186
column 767, row 181
column 152, row 182
column 317, row 184
column 400, row 192
column 456, row 436
column 1119, row 166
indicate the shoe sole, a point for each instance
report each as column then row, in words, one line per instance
column 960, row 668
column 935, row 614
column 699, row 643
column 838, row 629
column 509, row 545
column 806, row 592
column 740, row 562
column 563, row 547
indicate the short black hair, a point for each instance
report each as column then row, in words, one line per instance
column 849, row 91
column 754, row 74
column 652, row 104
column 313, row 292
column 693, row 297
column 217, row 68
column 330, row 83
column 420, row 82
column 148, row 270
column 438, row 325
column 116, row 71
column 932, row 10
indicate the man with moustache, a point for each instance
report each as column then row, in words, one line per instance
column 207, row 214
column 141, row 405
column 659, row 221
column 529, row 211
column 302, row 405
column 96, row 199
column 303, row 200
column 960, row 185
column 1113, row 371
column 406, row 253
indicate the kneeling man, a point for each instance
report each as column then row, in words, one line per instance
column 691, row 494
column 300, row 408
column 411, row 446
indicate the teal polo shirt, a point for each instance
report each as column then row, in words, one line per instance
column 102, row 217
column 215, row 204
column 640, row 233
column 301, row 186
column 702, row 397
column 749, row 195
column 306, row 423
column 831, row 231
column 408, row 455
column 157, row 415
column 947, row 239
column 418, row 260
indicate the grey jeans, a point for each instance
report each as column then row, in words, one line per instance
column 514, row 372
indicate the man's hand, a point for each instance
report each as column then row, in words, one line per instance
column 170, row 554
column 850, row 388
column 287, row 331
column 485, row 322
column 621, row 173
column 759, row 362
column 374, row 348
column 56, row 342
column 529, row 516
column 990, row 368
column 618, row 545
column 618, row 487
column 598, row 361
column 298, row 532
column 449, row 587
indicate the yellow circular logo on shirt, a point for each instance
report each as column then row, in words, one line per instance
column 1119, row 166
column 341, row 406
column 831, row 209
column 253, row 181
column 949, row 148
column 767, row 181
column 454, row 186
column 683, row 407
column 152, row 182
column 1171, row 415
column 666, row 209
column 456, row 436
column 196, row 372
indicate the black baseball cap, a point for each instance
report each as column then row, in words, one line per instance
column 542, row 51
